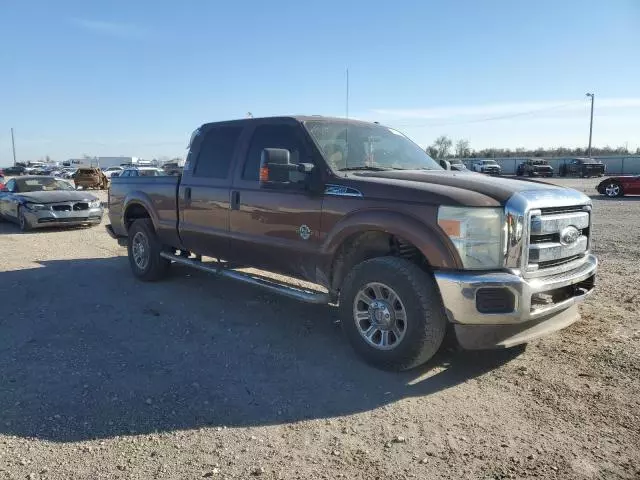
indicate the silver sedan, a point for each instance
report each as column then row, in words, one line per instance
column 37, row 201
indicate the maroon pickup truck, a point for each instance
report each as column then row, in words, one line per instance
column 401, row 245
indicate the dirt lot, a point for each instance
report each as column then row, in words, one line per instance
column 195, row 377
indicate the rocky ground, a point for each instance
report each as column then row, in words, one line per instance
column 102, row 377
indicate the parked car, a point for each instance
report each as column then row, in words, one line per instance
column 490, row 167
column 619, row 186
column 14, row 171
column 142, row 172
column 583, row 167
column 401, row 245
column 89, row 177
column 535, row 167
column 40, row 201
column 454, row 164
column 111, row 170
column 172, row 168
column 1, row 173
column 68, row 172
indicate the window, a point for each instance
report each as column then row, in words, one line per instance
column 216, row 152
column 126, row 173
column 271, row 136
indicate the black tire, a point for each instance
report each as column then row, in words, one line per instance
column 154, row 267
column 425, row 325
column 23, row 223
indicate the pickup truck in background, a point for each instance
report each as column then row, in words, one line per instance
column 535, row 167
column 490, row 167
column 401, row 245
column 583, row 167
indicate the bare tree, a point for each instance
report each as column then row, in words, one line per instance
column 441, row 147
column 462, row 148
column 432, row 151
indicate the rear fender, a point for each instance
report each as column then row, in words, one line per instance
column 140, row 199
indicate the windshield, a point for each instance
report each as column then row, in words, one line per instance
column 353, row 146
column 43, row 184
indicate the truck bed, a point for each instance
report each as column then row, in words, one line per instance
column 157, row 194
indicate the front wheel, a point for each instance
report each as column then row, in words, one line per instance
column 144, row 250
column 23, row 222
column 392, row 313
column 613, row 190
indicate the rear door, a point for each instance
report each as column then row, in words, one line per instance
column 278, row 230
column 203, row 194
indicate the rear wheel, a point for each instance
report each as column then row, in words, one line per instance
column 613, row 189
column 144, row 250
column 392, row 313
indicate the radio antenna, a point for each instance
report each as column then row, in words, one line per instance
column 347, row 99
column 346, row 133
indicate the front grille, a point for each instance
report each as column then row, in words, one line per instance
column 62, row 208
column 558, row 235
column 80, row 206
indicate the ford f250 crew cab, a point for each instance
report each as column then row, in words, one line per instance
column 401, row 245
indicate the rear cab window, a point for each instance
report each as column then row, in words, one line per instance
column 216, row 151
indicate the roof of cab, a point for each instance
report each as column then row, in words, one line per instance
column 297, row 118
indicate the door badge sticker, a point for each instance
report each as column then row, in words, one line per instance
column 305, row 232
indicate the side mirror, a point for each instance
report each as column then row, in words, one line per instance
column 276, row 169
column 446, row 164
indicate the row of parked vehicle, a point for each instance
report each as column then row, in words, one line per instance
column 536, row 167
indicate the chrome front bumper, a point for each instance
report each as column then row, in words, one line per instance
column 459, row 289
column 49, row 218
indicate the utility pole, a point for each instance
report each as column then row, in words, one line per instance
column 13, row 146
column 592, row 95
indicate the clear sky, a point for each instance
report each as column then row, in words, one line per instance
column 123, row 77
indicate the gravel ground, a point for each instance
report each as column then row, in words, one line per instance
column 196, row 377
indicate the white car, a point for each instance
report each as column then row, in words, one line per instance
column 111, row 170
column 142, row 172
column 489, row 167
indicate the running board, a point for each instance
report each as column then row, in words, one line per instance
column 286, row 290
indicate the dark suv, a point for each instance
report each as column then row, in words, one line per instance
column 583, row 167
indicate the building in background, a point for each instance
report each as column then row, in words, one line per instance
column 102, row 162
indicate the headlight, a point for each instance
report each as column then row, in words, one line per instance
column 95, row 204
column 477, row 233
column 34, row 207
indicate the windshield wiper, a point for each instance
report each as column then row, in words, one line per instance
column 367, row 167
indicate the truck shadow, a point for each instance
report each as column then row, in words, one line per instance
column 86, row 352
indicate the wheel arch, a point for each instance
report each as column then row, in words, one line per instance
column 377, row 233
column 138, row 205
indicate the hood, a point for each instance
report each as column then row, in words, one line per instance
column 57, row 196
column 444, row 186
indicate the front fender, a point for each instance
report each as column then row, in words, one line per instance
column 432, row 243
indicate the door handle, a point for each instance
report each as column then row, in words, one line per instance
column 235, row 200
column 187, row 194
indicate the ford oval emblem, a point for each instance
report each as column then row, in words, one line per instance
column 569, row 235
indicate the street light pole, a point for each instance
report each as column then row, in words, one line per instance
column 592, row 95
column 13, row 146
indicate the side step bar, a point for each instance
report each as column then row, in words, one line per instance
column 286, row 290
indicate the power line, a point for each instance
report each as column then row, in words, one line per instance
column 489, row 119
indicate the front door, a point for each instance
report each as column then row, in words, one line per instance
column 274, row 229
column 631, row 185
column 203, row 196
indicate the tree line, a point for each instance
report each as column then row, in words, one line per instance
column 444, row 147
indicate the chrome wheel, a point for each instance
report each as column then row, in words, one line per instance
column 612, row 190
column 140, row 250
column 380, row 316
